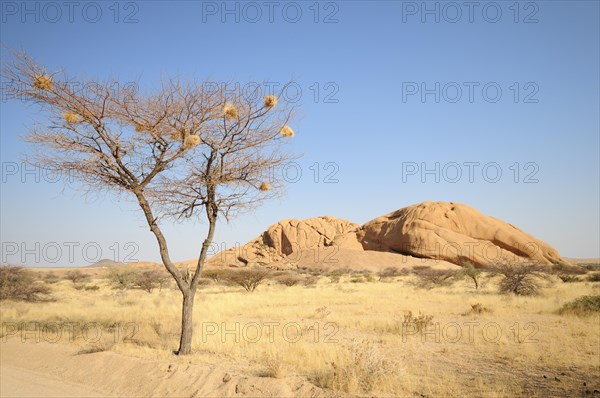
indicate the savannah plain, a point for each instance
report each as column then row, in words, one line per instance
column 333, row 332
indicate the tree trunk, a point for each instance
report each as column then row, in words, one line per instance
column 185, row 342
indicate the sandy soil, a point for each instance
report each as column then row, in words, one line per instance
column 57, row 370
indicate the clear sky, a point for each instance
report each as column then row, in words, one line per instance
column 362, row 67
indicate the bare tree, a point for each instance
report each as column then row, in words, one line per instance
column 189, row 150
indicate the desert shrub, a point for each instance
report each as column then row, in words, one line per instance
column 121, row 278
column 473, row 274
column 478, row 308
column 582, row 306
column 567, row 273
column 275, row 366
column 288, row 279
column 594, row 277
column 76, row 276
column 310, row 281
column 248, row 278
column 336, row 274
column 392, row 272
column 520, row 279
column 569, row 278
column 216, row 275
column 429, row 278
column 50, row 277
column 358, row 368
column 150, row 280
column 417, row 323
column 17, row 283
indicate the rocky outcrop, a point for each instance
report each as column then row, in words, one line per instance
column 456, row 233
column 441, row 231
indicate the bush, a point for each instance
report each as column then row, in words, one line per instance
column 594, row 277
column 50, row 277
column 392, row 272
column 569, row 278
column 582, row 306
column 478, row 308
column 121, row 278
column 310, row 281
column 216, row 275
column 418, row 323
column 150, row 280
column 17, row 283
column 428, row 278
column 248, row 278
column 567, row 273
column 520, row 279
column 288, row 279
column 76, row 276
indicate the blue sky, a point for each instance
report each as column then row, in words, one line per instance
column 366, row 125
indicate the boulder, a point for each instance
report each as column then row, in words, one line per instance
column 455, row 233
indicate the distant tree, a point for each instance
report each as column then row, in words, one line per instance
column 248, row 278
column 470, row 272
column 17, row 283
column 214, row 274
column 76, row 276
column 121, row 278
column 150, row 280
column 428, row 278
column 188, row 150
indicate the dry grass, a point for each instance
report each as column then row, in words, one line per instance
column 350, row 337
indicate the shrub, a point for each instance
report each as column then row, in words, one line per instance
column 567, row 273
column 50, row 277
column 358, row 368
column 478, row 308
column 310, row 281
column 17, row 283
column 582, row 306
column 419, row 323
column 594, row 277
column 121, row 278
column 76, row 276
column 392, row 272
column 216, row 275
column 150, row 280
column 248, row 278
column 520, row 279
column 288, row 279
column 569, row 278
column 429, row 278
